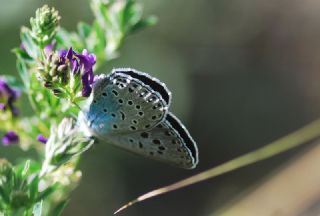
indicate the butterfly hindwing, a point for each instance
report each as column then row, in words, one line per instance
column 124, row 102
column 169, row 142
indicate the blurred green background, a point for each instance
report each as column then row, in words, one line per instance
column 242, row 73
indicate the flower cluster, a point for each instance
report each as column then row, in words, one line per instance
column 56, row 70
column 19, row 187
column 80, row 64
column 10, row 138
column 67, row 73
column 8, row 96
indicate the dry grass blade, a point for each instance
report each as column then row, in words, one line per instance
column 299, row 137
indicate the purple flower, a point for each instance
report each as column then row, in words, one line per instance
column 42, row 139
column 49, row 48
column 80, row 64
column 7, row 97
column 2, row 106
column 23, row 47
column 10, row 138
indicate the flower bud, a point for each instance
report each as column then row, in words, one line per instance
column 45, row 25
column 42, row 139
column 10, row 138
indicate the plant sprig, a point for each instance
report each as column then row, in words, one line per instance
column 56, row 68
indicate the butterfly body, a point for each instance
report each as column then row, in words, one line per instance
column 129, row 109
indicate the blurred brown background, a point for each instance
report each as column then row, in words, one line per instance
column 242, row 73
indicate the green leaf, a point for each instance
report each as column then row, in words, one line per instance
column 28, row 43
column 84, row 29
column 44, row 194
column 37, row 209
column 33, row 187
column 67, row 39
column 20, row 53
column 63, row 38
column 26, row 167
column 23, row 72
column 4, row 195
column 59, row 208
column 150, row 21
column 130, row 15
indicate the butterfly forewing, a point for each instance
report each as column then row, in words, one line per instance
column 123, row 104
column 152, row 82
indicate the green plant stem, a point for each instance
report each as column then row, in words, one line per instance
column 299, row 137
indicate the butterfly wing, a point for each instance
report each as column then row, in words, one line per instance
column 129, row 109
column 168, row 142
column 152, row 82
column 126, row 101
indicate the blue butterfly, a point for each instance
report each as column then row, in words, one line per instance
column 129, row 109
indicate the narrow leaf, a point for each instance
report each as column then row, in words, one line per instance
column 59, row 208
column 23, row 72
column 28, row 43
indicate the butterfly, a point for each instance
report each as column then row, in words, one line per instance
column 129, row 109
